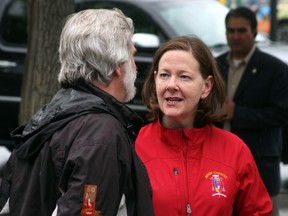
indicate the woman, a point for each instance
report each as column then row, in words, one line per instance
column 194, row 167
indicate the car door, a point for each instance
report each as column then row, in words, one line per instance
column 13, row 37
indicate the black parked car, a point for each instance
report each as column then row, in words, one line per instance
column 155, row 22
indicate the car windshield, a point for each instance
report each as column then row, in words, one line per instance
column 194, row 17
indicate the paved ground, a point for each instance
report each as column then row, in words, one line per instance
column 283, row 204
column 283, row 198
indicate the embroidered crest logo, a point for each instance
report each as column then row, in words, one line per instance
column 217, row 179
column 217, row 185
column 89, row 201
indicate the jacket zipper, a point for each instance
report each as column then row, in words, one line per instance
column 188, row 207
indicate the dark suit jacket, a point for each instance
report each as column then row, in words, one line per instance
column 261, row 103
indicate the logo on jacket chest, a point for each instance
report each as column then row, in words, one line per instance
column 217, row 180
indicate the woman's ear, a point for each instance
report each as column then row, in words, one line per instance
column 207, row 87
column 155, row 74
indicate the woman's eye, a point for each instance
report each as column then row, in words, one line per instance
column 163, row 75
column 184, row 77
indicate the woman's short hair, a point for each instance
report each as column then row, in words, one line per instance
column 209, row 109
column 92, row 43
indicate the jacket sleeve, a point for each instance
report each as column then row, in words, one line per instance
column 252, row 197
column 93, row 161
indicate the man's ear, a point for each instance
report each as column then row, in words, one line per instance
column 255, row 34
column 119, row 70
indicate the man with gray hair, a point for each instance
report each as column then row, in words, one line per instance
column 76, row 155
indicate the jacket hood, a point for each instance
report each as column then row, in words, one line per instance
column 66, row 105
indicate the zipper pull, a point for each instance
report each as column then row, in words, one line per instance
column 188, row 209
column 175, row 170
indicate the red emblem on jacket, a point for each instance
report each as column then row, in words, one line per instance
column 89, row 201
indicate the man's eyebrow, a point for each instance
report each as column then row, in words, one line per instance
column 236, row 29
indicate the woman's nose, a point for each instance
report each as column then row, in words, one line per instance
column 172, row 83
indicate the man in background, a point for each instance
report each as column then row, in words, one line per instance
column 257, row 96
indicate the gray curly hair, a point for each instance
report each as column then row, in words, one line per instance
column 92, row 43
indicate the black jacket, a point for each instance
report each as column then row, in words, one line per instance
column 82, row 137
column 261, row 108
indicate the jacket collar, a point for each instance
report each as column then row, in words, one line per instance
column 173, row 137
column 121, row 111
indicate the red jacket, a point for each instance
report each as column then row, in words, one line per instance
column 202, row 171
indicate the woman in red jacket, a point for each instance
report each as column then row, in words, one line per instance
column 194, row 167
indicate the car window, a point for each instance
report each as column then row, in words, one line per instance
column 14, row 23
column 194, row 17
column 142, row 21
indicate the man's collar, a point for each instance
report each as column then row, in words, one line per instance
column 245, row 60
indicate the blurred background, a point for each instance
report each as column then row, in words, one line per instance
column 272, row 16
column 30, row 29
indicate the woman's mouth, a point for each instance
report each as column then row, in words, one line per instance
column 173, row 100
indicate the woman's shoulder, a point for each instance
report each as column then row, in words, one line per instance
column 224, row 134
column 225, row 140
column 149, row 129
